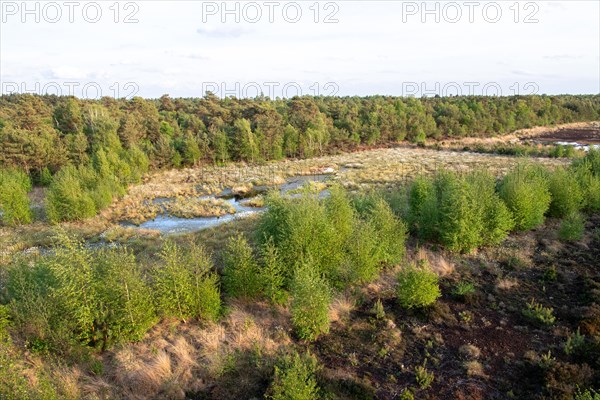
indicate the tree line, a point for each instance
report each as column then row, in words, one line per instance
column 42, row 134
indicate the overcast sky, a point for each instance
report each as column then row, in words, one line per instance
column 183, row 48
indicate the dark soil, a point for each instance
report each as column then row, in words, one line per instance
column 589, row 135
column 370, row 358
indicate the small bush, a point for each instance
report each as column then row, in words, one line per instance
column 461, row 212
column 14, row 201
column 589, row 394
column 525, row 191
column 539, row 314
column 311, row 296
column 423, row 377
column 574, row 343
column 390, row 232
column 567, row 196
column 67, row 198
column 417, row 287
column 14, row 204
column 423, row 208
column 295, row 378
column 241, row 276
column 464, row 290
column 572, row 227
column 185, row 285
column 272, row 275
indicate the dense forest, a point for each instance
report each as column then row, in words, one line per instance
column 49, row 132
column 89, row 151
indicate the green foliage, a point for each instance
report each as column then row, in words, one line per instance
column 525, row 191
column 572, row 227
column 241, row 276
column 272, row 274
column 67, row 199
column 538, row 314
column 461, row 212
column 574, row 343
column 417, row 287
column 390, row 232
column 14, row 201
column 567, row 196
column 295, row 378
column 423, row 377
column 348, row 240
column 311, row 296
column 589, row 394
column 81, row 296
column 378, row 311
column 463, row 289
column 185, row 285
column 423, row 208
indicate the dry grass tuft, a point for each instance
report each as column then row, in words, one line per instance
column 506, row 283
column 340, row 308
column 474, row 369
column 469, row 351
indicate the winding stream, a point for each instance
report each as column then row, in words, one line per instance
column 168, row 224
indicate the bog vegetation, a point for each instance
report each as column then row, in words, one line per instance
column 89, row 151
column 77, row 301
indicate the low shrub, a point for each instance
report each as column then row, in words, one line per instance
column 538, row 314
column 14, row 201
column 83, row 296
column 272, row 274
column 464, row 290
column 241, row 276
column 185, row 284
column 525, row 191
column 311, row 297
column 566, row 193
column 461, row 212
column 572, row 227
column 67, row 198
column 417, row 287
column 423, row 377
column 295, row 378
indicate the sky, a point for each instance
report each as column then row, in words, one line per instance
column 285, row 48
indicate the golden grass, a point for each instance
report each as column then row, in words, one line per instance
column 341, row 307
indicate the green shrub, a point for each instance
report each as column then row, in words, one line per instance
column 14, row 203
column 525, row 192
column 185, row 285
column 538, row 314
column 390, row 232
column 590, row 186
column 572, row 227
column 311, row 296
column 423, row 208
column 461, row 212
column 460, row 215
column 363, row 256
column 80, row 296
column 295, row 378
column 417, row 287
column 566, row 193
column 574, row 343
column 16, row 175
column 241, row 277
column 464, row 289
column 272, row 275
column 423, row 377
column 589, row 394
column 67, row 199
column 301, row 229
